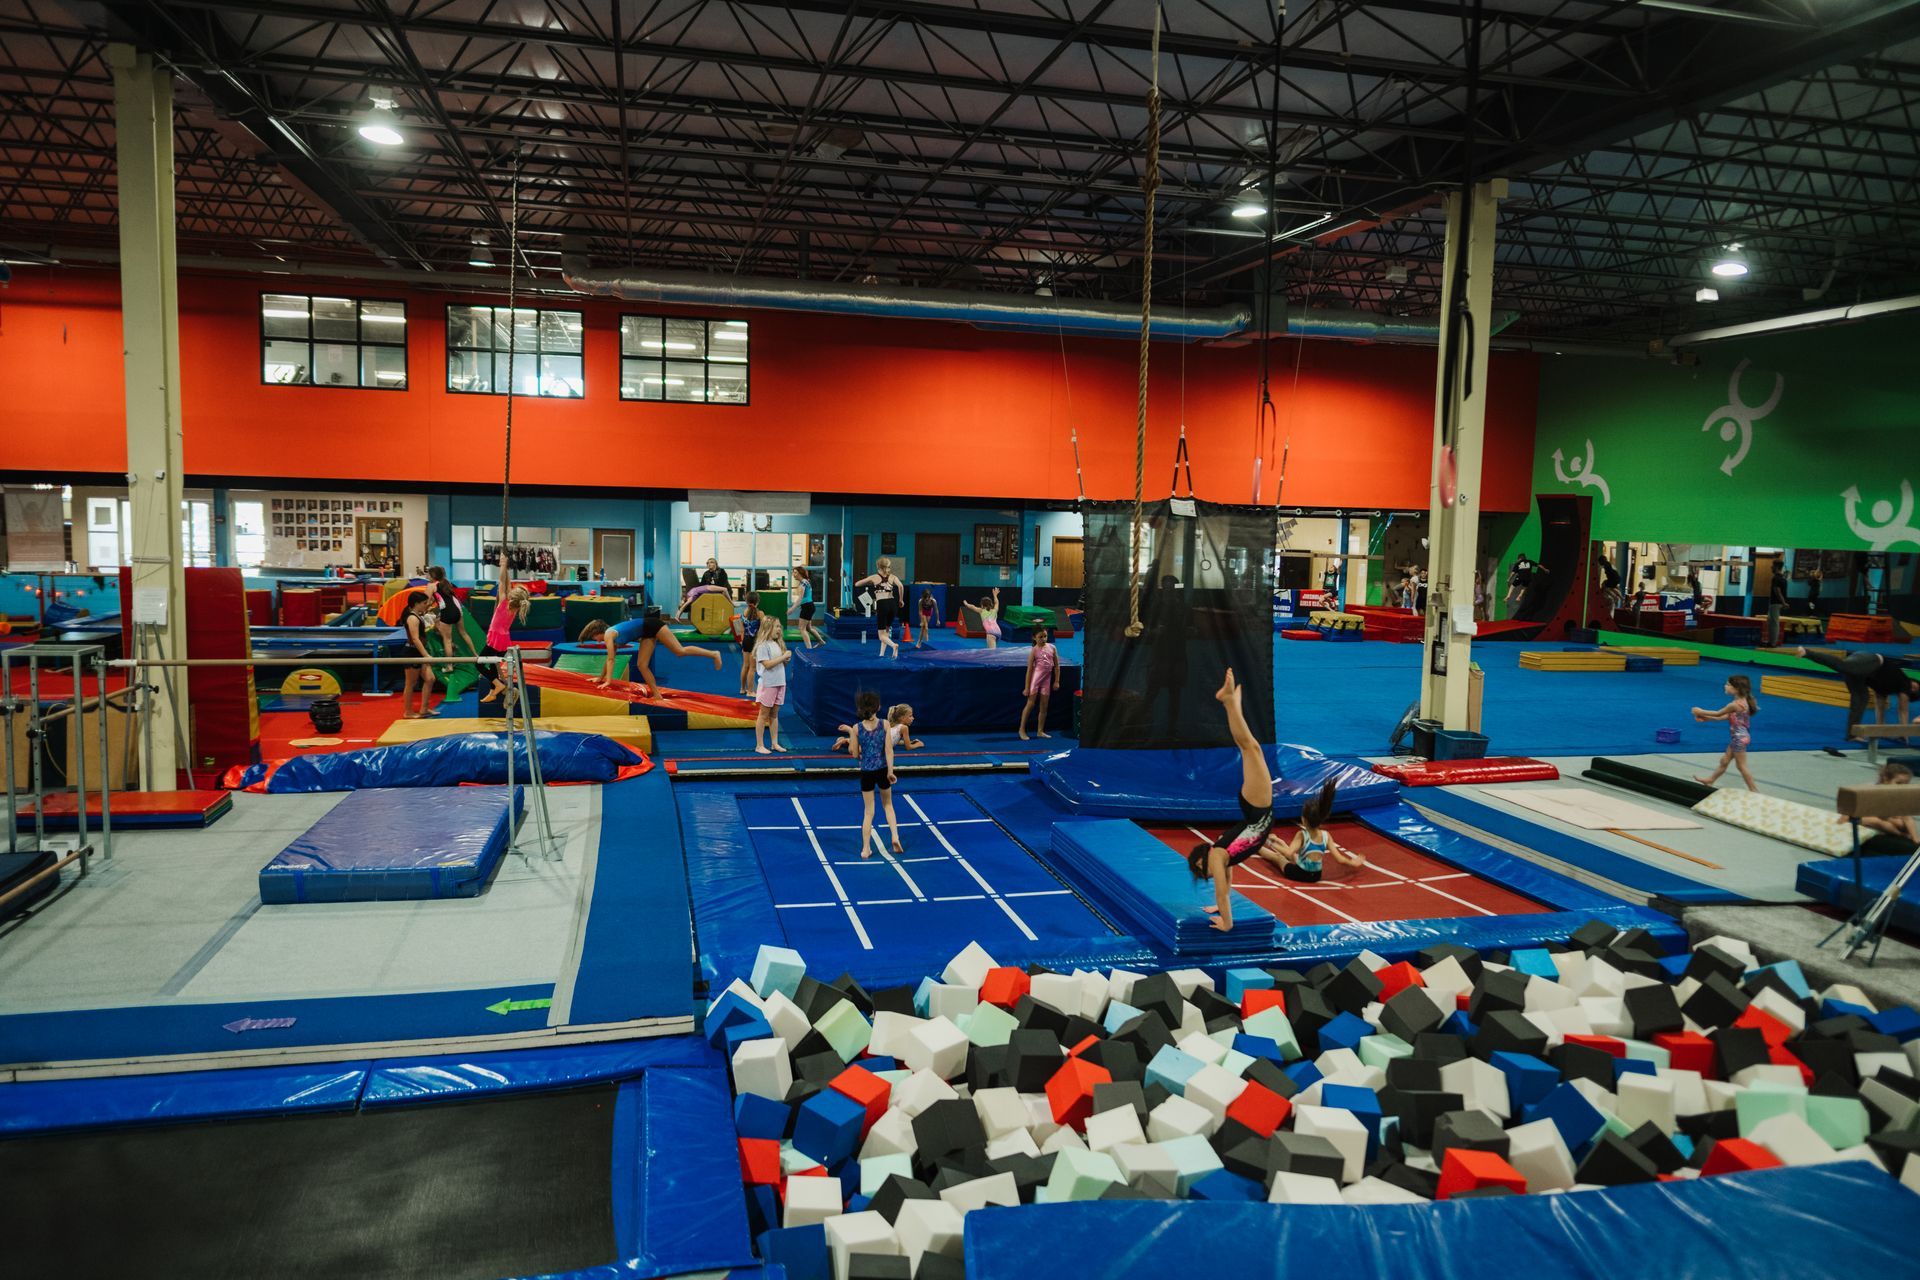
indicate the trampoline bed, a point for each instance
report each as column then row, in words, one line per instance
column 513, row 1186
column 1398, row 883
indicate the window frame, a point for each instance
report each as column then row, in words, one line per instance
column 537, row 353
column 706, row 362
column 359, row 343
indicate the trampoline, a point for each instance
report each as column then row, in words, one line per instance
column 512, row 1186
column 1398, row 883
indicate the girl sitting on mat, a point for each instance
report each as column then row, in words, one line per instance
column 1739, row 716
column 1042, row 680
column 510, row 606
column 746, row 633
column 770, row 658
column 418, row 677
column 1301, row 857
column 809, row 634
column 927, row 610
column 887, row 593
column 990, row 617
column 873, row 747
column 1252, row 835
column 651, row 630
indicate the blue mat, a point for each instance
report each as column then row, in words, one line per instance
column 379, row 846
column 442, row 762
column 1830, row 880
column 1202, row 785
column 1148, row 888
column 636, row 960
column 1824, row 1220
column 948, row 688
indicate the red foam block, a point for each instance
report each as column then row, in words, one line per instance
column 1070, row 1091
column 1606, row 1044
column 1395, row 978
column 1254, row 999
column 865, row 1088
column 1738, row 1155
column 1260, row 1109
column 1004, row 987
column 760, row 1162
column 1464, row 1170
column 1688, row 1051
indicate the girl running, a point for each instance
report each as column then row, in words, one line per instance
column 651, row 630
column 770, row 657
column 873, row 745
column 1739, row 716
column 1043, row 679
column 887, row 592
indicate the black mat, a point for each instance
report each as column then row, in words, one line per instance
column 467, row 1191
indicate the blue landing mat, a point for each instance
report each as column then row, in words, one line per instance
column 374, row 847
column 1131, row 876
column 637, row 957
column 949, row 688
column 1202, row 785
column 1824, row 1220
column 1830, row 880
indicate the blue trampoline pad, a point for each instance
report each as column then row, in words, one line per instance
column 961, row 878
column 374, row 846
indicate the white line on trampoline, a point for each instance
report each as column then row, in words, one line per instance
column 967, row 867
column 1421, row 884
column 894, row 862
column 839, row 890
column 1258, row 874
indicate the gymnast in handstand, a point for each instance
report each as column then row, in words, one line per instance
column 650, row 629
column 1254, row 835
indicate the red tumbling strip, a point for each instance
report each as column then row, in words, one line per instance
column 1447, row 773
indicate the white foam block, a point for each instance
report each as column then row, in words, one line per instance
column 999, row 1189
column 1374, row 1191
column 1203, row 1047
column 1540, row 1154
column 1001, row 1111
column 1735, row 947
column 1178, row 1118
column 1372, row 961
column 762, row 1067
column 1792, row 1139
column 1214, row 1088
column 1148, row 1166
column 936, row 1045
column 891, row 1032
column 1607, row 1015
column 970, row 967
column 892, row 1134
column 1192, row 1022
column 1719, row 1094
column 1189, row 981
column 1869, row 1065
column 1771, row 1001
column 922, row 1090
column 1645, row 1099
column 865, row 1232
column 927, row 1226
column 1572, row 968
column 1548, row 1027
column 811, row 1200
column 1787, row 1077
column 1120, row 983
column 1340, row 1127
column 1093, row 994
column 1063, row 1138
column 1847, row 993
column 1335, row 1062
column 1017, row 1143
column 1057, row 991
column 1689, row 1097
column 951, row 1000
column 1302, row 1188
column 1601, row 979
column 1481, row 1086
column 1568, row 1021
column 739, row 987
column 1114, row 1127
column 787, row 1020
column 1910, row 1173
column 1445, row 981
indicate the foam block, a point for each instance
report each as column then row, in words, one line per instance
column 863, row 1233
column 1118, row 1126
column 1178, row 1118
column 928, row 1226
column 1540, row 1154
column 1340, row 1128
column 970, row 968
column 978, row 1193
column 845, row 1030
column 761, row 1067
column 810, row 1201
column 934, row 1045
column 777, row 969
column 1080, row 1174
column 1463, row 1171
column 1301, row 1188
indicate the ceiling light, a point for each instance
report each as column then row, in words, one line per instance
column 1731, row 264
column 1249, row 204
column 480, row 253
column 382, row 124
column 1706, row 294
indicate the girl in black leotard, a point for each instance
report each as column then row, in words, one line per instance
column 887, row 591
column 451, row 626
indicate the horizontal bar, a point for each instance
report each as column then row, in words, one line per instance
column 36, row 878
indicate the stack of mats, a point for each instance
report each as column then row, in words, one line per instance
column 299, row 607
column 1832, row 882
column 578, row 611
column 1032, row 615
column 1335, row 625
column 1861, row 628
column 145, row 810
column 1798, row 824
column 635, row 731
column 1401, row 625
column 1300, row 633
column 1671, row 655
column 1147, row 888
column 1647, row 782
column 1801, row 629
column 1586, row 660
column 1450, row 773
column 1829, row 693
column 1733, row 628
column 374, row 847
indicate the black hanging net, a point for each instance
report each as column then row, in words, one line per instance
column 1206, row 601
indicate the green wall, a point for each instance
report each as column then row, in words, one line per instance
column 1847, row 416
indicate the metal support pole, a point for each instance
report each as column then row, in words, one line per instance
column 77, row 735
column 106, row 770
column 37, row 750
column 9, row 708
column 1453, row 531
column 536, row 778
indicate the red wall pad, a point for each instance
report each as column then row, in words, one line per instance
column 222, row 713
column 1448, row 773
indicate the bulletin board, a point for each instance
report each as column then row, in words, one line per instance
column 996, row 544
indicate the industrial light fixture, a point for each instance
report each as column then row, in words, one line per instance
column 1731, row 264
column 1706, row 293
column 382, row 124
column 480, row 254
column 1249, row 204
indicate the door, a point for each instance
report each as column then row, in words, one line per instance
column 936, row 558
column 834, row 580
column 861, row 565
column 613, row 555
column 1070, row 563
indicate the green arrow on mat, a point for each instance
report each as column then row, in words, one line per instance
column 514, row 1006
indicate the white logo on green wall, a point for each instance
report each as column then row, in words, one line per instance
column 1580, row 471
column 1889, row 526
column 1736, row 417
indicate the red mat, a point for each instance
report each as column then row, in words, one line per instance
column 56, row 684
column 1449, row 773
column 362, row 721
column 1397, row 883
column 711, row 704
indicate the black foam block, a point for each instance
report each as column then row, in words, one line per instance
column 815, row 998
column 1652, row 1010
column 1711, row 1124
column 1148, row 1034
column 1717, row 1002
column 1894, row 1146
column 1157, row 994
column 1439, row 1046
column 1353, row 988
column 1508, row 1031
column 1416, row 1074
column 1032, row 1058
column 1613, row 1162
column 1079, row 1028
column 1305, row 1153
column 1825, row 1058
column 1656, row 1146
column 801, row 1090
column 1838, row 1027
column 1709, row 960
column 1307, row 1013
column 811, row 1043
column 1120, row 1059
column 1471, row 1131
column 986, row 1067
column 878, row 1266
column 818, row 1066
column 938, row 1266
column 1030, row 1173
column 1592, row 935
column 1215, row 1010
column 1421, row 1182
column 1497, row 991
column 1410, row 1013
column 1121, row 1093
column 1156, row 1094
column 1469, row 958
column 1583, row 1062
column 1417, row 1111
column 849, row 986
column 1267, row 1072
column 947, row 1126
column 1034, row 1016
column 896, row 1191
column 1250, row 1156
column 1737, row 1048
column 895, row 1000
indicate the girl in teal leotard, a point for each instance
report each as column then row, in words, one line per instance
column 1302, row 858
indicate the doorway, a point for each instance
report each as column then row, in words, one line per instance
column 835, row 580
column 937, row 558
column 613, row 555
column 861, row 565
column 1070, row 563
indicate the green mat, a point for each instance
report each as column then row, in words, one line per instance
column 457, row 680
column 580, row 610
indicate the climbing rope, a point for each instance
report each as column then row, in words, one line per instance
column 513, row 329
column 1149, row 183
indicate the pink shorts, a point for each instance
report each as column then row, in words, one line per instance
column 1042, row 682
column 772, row 695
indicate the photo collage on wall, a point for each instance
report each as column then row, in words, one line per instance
column 311, row 531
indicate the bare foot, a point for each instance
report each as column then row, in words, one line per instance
column 717, row 663
column 1043, row 733
column 899, row 848
column 1023, row 735
column 1228, row 689
column 1705, row 782
column 777, row 747
column 761, row 751
column 866, row 851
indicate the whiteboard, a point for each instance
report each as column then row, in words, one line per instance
column 576, row 545
column 734, row 548
column 772, row 549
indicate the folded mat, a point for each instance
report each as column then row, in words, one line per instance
column 445, row 762
column 1801, row 824
column 1147, row 887
column 1831, row 881
column 1447, row 773
column 1647, row 782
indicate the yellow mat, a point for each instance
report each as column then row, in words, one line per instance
column 1830, row 693
column 1672, row 655
column 632, row 730
column 1553, row 660
column 1338, row 621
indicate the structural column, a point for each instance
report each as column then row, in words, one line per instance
column 150, row 333
column 1454, row 531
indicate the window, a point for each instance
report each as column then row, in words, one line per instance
column 250, row 534
column 333, row 342
column 110, row 533
column 546, row 351
column 675, row 358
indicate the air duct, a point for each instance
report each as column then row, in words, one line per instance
column 1008, row 312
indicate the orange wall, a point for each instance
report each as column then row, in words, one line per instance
column 840, row 404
